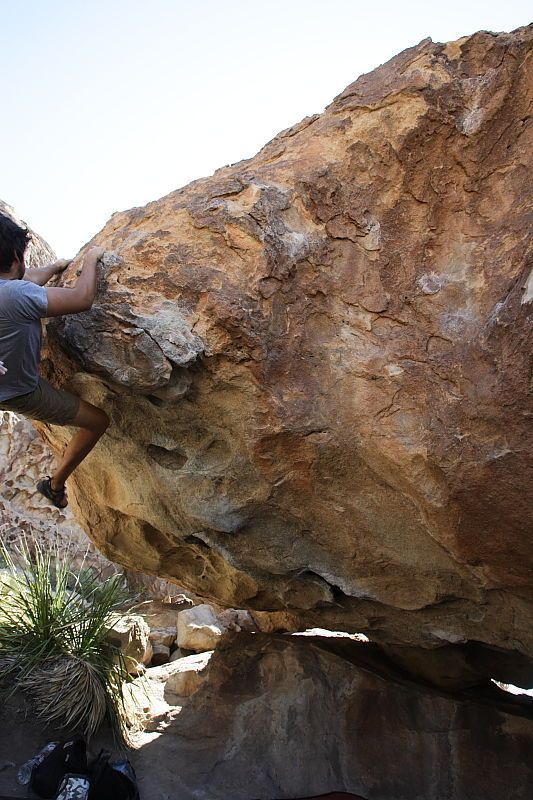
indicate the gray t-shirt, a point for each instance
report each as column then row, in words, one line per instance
column 22, row 305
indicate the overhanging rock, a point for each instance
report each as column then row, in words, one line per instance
column 315, row 362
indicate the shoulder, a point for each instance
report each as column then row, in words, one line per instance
column 25, row 297
column 28, row 287
column 15, row 288
column 6, row 292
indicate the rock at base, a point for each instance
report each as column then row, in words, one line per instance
column 188, row 674
column 283, row 717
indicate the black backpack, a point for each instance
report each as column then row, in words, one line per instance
column 66, row 757
column 64, row 772
column 112, row 780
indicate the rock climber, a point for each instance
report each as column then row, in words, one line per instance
column 23, row 303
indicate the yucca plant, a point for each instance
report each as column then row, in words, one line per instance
column 54, row 646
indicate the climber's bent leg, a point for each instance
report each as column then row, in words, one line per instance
column 59, row 407
column 93, row 423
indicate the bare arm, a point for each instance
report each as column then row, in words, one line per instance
column 43, row 275
column 81, row 296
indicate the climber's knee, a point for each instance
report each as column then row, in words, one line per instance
column 91, row 418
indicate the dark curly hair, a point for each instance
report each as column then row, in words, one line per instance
column 13, row 242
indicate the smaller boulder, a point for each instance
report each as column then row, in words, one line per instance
column 189, row 674
column 198, row 628
column 164, row 636
column 234, row 619
column 131, row 634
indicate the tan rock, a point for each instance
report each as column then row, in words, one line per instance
column 163, row 636
column 315, row 364
column 131, row 633
column 198, row 628
column 188, row 674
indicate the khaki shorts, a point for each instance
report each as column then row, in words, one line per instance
column 45, row 403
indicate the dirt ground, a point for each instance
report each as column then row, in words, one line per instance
column 21, row 737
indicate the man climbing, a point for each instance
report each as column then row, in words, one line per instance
column 23, row 303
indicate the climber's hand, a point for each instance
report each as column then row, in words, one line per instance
column 3, row 369
column 93, row 254
column 61, row 264
column 96, row 252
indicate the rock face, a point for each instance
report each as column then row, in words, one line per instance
column 315, row 364
column 277, row 717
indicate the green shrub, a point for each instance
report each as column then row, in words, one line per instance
column 54, row 643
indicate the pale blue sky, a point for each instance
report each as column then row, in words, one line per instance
column 108, row 104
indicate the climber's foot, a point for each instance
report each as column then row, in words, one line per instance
column 58, row 497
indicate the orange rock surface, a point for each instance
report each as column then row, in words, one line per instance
column 315, row 362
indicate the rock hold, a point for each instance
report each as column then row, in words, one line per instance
column 138, row 352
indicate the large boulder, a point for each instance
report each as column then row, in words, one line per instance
column 315, row 364
column 284, row 717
